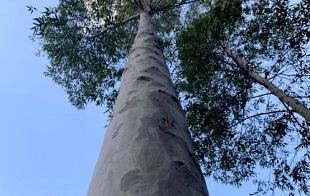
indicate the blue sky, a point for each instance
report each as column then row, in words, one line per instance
column 47, row 147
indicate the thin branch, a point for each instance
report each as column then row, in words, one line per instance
column 154, row 4
column 259, row 114
column 170, row 6
column 291, row 113
column 134, row 17
column 139, row 4
column 261, row 95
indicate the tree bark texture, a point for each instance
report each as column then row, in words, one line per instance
column 290, row 101
column 147, row 150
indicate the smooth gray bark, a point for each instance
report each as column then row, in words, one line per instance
column 290, row 101
column 147, row 150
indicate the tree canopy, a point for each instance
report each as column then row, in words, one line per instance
column 237, row 125
column 87, row 43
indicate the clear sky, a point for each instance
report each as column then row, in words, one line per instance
column 47, row 147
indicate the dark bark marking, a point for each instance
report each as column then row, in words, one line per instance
column 173, row 123
column 184, row 177
column 147, row 49
column 136, row 56
column 158, row 61
column 170, row 140
column 144, row 33
column 145, row 78
column 146, row 123
column 117, row 130
column 174, row 98
column 152, row 69
column 130, row 179
column 152, row 154
column 157, row 99
column 115, row 134
column 140, row 61
column 164, row 124
column 151, row 39
column 158, row 120
column 130, row 104
column 179, row 163
column 165, row 119
column 158, row 42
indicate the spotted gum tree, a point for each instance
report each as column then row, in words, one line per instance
column 147, row 148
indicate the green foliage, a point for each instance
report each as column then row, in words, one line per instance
column 82, row 54
column 87, row 44
column 236, row 125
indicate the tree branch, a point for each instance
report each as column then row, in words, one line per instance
column 261, row 95
column 170, row 6
column 134, row 17
column 281, row 95
column 259, row 114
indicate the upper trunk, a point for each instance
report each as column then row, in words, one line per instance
column 290, row 101
column 147, row 150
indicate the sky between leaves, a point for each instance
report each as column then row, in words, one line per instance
column 47, row 147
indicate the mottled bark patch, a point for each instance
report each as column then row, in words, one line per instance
column 149, row 49
column 185, row 178
column 151, row 153
column 115, row 134
column 146, row 123
column 140, row 61
column 175, row 146
column 130, row 104
column 150, row 39
column 158, row 99
column 164, row 117
column 157, row 84
column 130, row 179
column 158, row 61
column 144, row 33
column 117, row 130
column 136, row 56
column 174, row 98
column 131, row 92
column 155, row 41
column 164, row 99
column 151, row 156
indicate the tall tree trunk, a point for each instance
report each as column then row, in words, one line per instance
column 290, row 101
column 147, row 150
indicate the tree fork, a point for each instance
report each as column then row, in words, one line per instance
column 147, row 150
